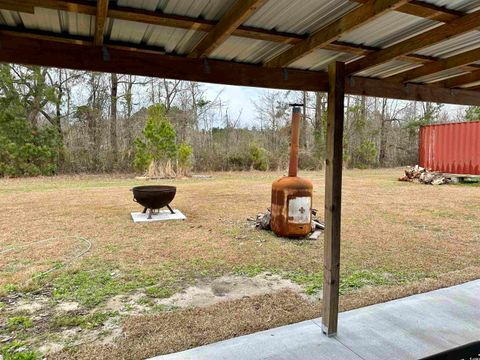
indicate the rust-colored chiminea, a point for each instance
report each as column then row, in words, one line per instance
column 292, row 195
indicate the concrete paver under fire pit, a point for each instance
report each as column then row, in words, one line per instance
column 408, row 328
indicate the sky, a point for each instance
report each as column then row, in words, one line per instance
column 242, row 98
column 239, row 99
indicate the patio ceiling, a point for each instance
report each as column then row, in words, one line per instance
column 406, row 49
column 421, row 50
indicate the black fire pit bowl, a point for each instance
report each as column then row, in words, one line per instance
column 154, row 197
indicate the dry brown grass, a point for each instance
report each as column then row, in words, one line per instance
column 414, row 230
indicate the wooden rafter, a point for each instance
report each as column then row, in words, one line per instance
column 384, row 89
column 415, row 7
column 360, row 50
column 15, row 5
column 430, row 11
column 437, row 66
column 78, row 54
column 324, row 36
column 190, row 23
column 100, row 18
column 231, row 20
column 365, row 50
column 427, row 11
column 456, row 27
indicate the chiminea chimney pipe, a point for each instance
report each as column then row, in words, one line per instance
column 296, row 115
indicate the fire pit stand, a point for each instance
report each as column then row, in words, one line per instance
column 155, row 211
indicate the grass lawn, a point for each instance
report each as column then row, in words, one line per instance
column 146, row 289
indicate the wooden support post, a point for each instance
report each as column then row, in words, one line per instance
column 333, row 197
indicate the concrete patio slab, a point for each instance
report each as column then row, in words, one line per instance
column 161, row 215
column 408, row 328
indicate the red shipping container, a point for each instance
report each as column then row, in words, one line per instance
column 451, row 148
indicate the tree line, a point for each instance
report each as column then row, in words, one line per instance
column 64, row 121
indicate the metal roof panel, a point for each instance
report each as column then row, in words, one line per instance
column 389, row 29
column 453, row 46
column 43, row 19
column 10, row 18
column 247, row 50
column 77, row 24
column 387, row 69
column 206, row 9
column 320, row 58
column 439, row 76
column 459, row 5
column 290, row 16
column 177, row 41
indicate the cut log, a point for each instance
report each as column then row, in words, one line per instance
column 315, row 235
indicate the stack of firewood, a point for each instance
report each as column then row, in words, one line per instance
column 421, row 175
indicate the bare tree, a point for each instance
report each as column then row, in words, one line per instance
column 113, row 117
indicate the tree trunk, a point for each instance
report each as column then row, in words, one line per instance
column 318, row 129
column 113, row 119
column 383, row 136
column 303, row 128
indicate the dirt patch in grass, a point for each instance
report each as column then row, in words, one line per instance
column 230, row 287
column 173, row 331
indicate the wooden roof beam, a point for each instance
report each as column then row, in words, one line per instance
column 190, row 23
column 326, row 35
column 100, row 19
column 82, row 56
column 384, row 89
column 231, row 20
column 15, row 5
column 414, row 7
column 430, row 11
column 441, row 33
column 427, row 11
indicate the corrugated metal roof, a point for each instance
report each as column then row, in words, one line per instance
column 474, row 84
column 9, row 18
column 135, row 32
column 459, row 5
column 206, row 9
column 320, row 58
column 439, row 76
column 247, row 50
column 389, row 29
column 178, row 41
column 387, row 69
column 288, row 16
column 43, row 19
column 77, row 24
column 150, row 5
column 292, row 16
column 453, row 46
